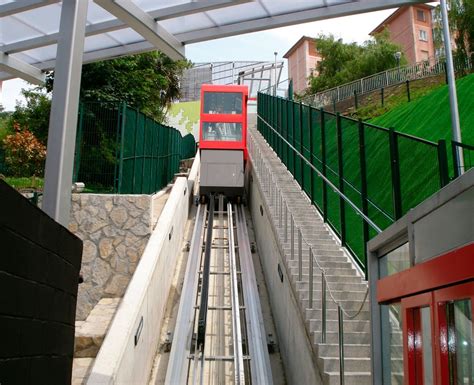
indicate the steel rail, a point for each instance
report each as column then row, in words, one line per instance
column 202, row 317
column 182, row 340
column 260, row 368
column 239, row 370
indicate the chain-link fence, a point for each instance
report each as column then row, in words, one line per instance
column 120, row 150
column 337, row 160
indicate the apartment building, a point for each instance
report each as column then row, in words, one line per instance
column 302, row 60
column 412, row 28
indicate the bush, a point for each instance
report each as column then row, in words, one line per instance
column 25, row 155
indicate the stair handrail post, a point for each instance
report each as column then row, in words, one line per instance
column 300, row 255
column 286, row 221
column 292, row 246
column 281, row 209
column 340, row 320
column 310, row 278
column 323, row 308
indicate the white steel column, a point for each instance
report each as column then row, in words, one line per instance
column 63, row 118
column 453, row 99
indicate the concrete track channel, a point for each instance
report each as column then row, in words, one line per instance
column 219, row 332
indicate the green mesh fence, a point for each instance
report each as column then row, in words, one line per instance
column 380, row 171
column 120, row 150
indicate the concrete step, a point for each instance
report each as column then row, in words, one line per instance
column 293, row 265
column 361, row 326
column 351, row 378
column 338, row 295
column 91, row 333
column 331, row 364
column 350, row 350
column 81, row 368
column 347, row 305
column 329, row 277
column 315, row 313
column 335, row 286
column 349, row 337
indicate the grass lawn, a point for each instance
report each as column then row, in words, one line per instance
column 25, row 182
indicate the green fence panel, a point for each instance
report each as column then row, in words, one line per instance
column 380, row 171
column 420, row 182
column 119, row 149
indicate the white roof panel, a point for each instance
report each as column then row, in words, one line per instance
column 29, row 29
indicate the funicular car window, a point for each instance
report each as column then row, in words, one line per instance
column 222, row 131
column 222, row 103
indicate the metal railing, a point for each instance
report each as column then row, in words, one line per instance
column 430, row 67
column 283, row 220
column 373, row 166
column 468, row 156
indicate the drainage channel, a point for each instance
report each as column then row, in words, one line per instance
column 219, row 337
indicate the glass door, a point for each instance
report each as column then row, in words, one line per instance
column 418, row 326
column 455, row 331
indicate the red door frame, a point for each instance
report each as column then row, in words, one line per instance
column 432, row 283
column 453, row 293
column 412, row 341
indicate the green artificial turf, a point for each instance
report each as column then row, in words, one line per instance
column 430, row 116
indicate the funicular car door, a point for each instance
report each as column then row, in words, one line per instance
column 438, row 336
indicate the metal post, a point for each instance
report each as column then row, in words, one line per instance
column 408, row 90
column 286, row 222
column 382, row 95
column 453, row 99
column 340, row 320
column 300, row 256
column 340, row 160
column 323, row 308
column 281, row 210
column 292, row 247
column 310, row 304
column 395, row 168
column 63, row 117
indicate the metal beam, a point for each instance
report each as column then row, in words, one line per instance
column 23, row 6
column 114, row 25
column 18, row 68
column 283, row 20
column 63, row 118
column 193, row 7
column 145, row 25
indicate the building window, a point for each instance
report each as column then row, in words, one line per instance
column 423, row 35
column 420, row 15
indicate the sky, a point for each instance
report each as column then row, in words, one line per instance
column 258, row 46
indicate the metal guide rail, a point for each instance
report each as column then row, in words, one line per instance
column 219, row 336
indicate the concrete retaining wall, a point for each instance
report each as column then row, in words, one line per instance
column 295, row 346
column 127, row 354
column 115, row 230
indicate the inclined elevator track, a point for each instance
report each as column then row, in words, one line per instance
column 219, row 334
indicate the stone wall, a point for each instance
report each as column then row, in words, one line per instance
column 115, row 230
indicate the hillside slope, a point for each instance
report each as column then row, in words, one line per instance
column 429, row 117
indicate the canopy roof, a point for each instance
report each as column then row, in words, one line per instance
column 29, row 29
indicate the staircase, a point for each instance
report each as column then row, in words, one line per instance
column 344, row 280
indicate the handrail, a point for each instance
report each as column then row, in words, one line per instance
column 393, row 76
column 328, row 182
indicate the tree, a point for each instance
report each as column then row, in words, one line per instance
column 148, row 82
column 34, row 115
column 342, row 63
column 461, row 25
